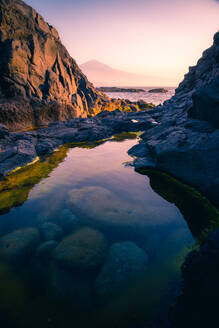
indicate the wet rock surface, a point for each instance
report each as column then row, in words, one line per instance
column 18, row 149
column 197, row 304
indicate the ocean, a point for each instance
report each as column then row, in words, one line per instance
column 155, row 98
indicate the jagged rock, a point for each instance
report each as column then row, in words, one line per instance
column 185, row 142
column 40, row 82
column 206, row 103
column 196, row 306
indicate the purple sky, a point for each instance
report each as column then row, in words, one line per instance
column 157, row 38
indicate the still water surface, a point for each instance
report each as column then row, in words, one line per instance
column 128, row 244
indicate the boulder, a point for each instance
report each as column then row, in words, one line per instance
column 85, row 249
column 115, row 89
column 18, row 245
column 124, row 264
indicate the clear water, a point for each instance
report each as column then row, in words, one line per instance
column 154, row 98
column 97, row 189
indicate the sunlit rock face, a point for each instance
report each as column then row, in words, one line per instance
column 40, row 82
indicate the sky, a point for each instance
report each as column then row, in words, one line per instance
column 156, row 38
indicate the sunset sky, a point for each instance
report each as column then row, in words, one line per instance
column 156, row 38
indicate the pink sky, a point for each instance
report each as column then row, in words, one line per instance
column 157, row 38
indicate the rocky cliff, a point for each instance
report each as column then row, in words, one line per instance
column 40, row 82
column 185, row 143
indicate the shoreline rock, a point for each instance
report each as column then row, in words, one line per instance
column 17, row 149
column 125, row 263
column 185, row 143
column 158, row 90
column 116, row 89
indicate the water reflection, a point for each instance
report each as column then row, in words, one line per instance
column 199, row 213
column 92, row 243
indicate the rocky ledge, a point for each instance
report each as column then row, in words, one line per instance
column 18, row 149
column 185, row 143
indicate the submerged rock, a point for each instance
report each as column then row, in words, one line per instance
column 85, row 249
column 18, row 245
column 185, row 142
column 197, row 306
column 50, row 231
column 125, row 263
column 46, row 248
column 68, row 221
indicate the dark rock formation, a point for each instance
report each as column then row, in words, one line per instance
column 185, row 142
column 124, row 263
column 21, row 148
column 40, row 82
column 158, row 90
column 197, row 306
column 115, row 89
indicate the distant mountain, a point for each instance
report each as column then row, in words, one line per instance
column 104, row 75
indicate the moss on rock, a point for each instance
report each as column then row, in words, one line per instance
column 15, row 187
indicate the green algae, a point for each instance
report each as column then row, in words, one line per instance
column 15, row 187
column 202, row 217
column 87, row 144
column 124, row 136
